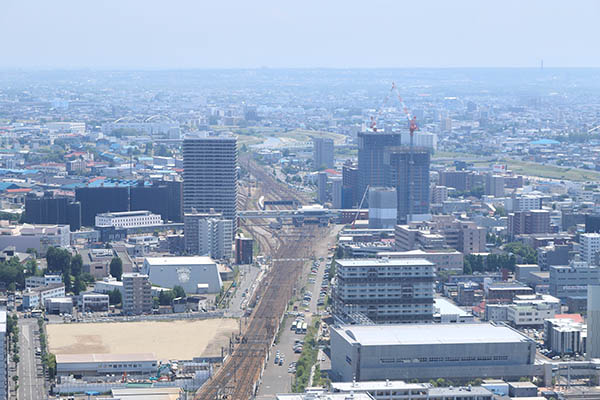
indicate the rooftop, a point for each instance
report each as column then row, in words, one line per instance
column 92, row 357
column 382, row 262
column 376, row 385
column 446, row 307
column 424, row 334
column 168, row 261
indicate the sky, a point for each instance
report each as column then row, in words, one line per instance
column 183, row 34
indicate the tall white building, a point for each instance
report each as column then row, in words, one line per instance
column 137, row 298
column 593, row 322
column 208, row 234
column 590, row 245
column 336, row 192
column 210, row 174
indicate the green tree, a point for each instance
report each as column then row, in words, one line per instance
column 50, row 361
column 116, row 268
column 79, row 285
column 114, row 297
column 178, row 291
column 165, row 297
column 77, row 265
column 31, row 267
column 59, row 260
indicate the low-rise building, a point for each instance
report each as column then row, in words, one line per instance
column 36, row 297
column 80, row 365
column 400, row 390
column 94, row 302
column 38, row 237
column 128, row 219
column 37, row 281
column 59, row 305
column 432, row 351
column 187, row 272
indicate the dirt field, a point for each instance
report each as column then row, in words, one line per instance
column 181, row 340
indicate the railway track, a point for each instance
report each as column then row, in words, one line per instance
column 240, row 375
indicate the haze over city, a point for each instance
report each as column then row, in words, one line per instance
column 151, row 34
column 269, row 200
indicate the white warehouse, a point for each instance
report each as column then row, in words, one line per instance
column 194, row 274
column 430, row 351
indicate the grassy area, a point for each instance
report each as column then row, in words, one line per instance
column 551, row 171
column 522, row 167
column 307, row 359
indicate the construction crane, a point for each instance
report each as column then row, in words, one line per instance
column 593, row 129
column 412, row 120
column 360, row 207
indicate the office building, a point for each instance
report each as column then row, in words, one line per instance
column 439, row 194
column 153, row 198
column 128, row 219
column 383, row 207
column 573, row 280
column 195, row 274
column 244, row 248
column 322, row 153
column 528, row 222
column 52, row 210
column 97, row 200
column 137, row 294
column 36, row 297
column 494, row 185
column 384, row 290
column 32, row 282
column 322, row 187
column 565, row 336
column 590, row 246
column 94, row 302
column 371, row 148
column 210, row 175
column 592, row 223
column 336, row 192
column 432, row 351
column 350, row 186
column 208, row 234
column 407, row 169
column 593, row 321
column 459, row 180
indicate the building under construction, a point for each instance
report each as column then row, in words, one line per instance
column 407, row 169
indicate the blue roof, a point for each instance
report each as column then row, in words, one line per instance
column 4, row 171
column 545, row 141
column 7, row 185
column 108, row 182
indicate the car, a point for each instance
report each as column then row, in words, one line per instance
column 280, row 361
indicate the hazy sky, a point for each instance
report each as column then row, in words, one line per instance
column 301, row 33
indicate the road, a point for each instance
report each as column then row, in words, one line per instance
column 276, row 379
column 31, row 381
